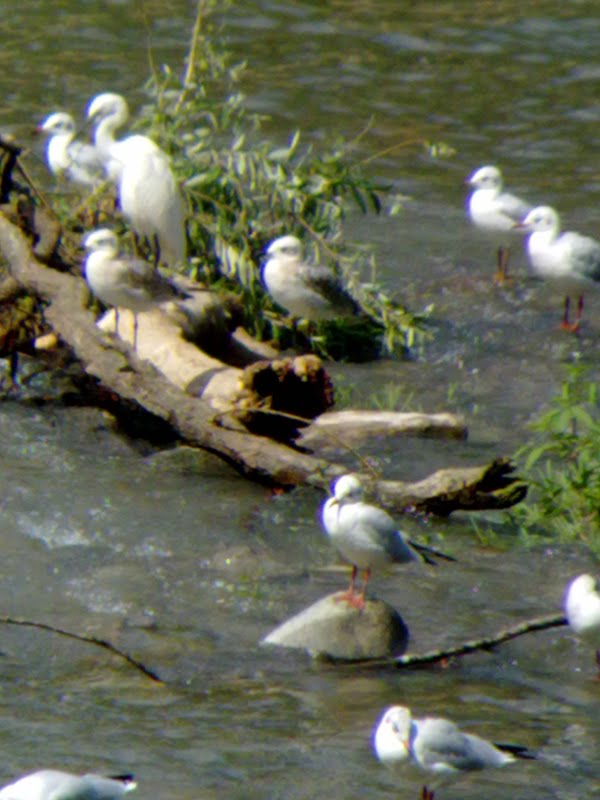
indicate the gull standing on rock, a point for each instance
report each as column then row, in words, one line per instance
column 570, row 260
column 305, row 291
column 148, row 192
column 78, row 162
column 53, row 784
column 124, row 282
column 582, row 609
column 438, row 745
column 366, row 536
column 491, row 209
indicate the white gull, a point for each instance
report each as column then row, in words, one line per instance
column 52, row 784
column 305, row 291
column 366, row 535
column 437, row 745
column 569, row 260
column 78, row 162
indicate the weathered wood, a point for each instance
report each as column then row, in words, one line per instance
column 355, row 426
column 138, row 383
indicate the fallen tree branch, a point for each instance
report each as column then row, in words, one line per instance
column 137, row 384
column 485, row 644
column 103, row 643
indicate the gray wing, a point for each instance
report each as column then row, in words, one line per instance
column 86, row 165
column 513, row 206
column 329, row 285
column 142, row 278
column 585, row 255
column 440, row 746
column 379, row 528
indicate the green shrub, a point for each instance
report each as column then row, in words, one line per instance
column 562, row 465
column 244, row 191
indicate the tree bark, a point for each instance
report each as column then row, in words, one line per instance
column 119, row 370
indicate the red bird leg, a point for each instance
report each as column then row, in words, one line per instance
column 367, row 575
column 566, row 325
column 350, row 595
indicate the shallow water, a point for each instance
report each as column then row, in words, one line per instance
column 189, row 570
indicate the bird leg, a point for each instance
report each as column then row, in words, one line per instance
column 501, row 274
column 350, row 596
column 116, row 321
column 572, row 327
column 366, row 576
column 427, row 794
column 135, row 330
column 156, row 248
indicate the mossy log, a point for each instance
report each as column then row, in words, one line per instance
column 135, row 382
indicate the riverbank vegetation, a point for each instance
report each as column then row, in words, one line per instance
column 561, row 465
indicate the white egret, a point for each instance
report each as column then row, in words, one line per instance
column 148, row 192
column 569, row 260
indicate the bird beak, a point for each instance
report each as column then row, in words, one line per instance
column 519, row 226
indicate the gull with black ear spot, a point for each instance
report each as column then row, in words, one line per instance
column 124, row 282
column 54, row 784
column 437, row 745
column 367, row 536
column 78, row 162
column 305, row 291
column 571, row 261
column 494, row 210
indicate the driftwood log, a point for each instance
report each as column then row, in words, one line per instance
column 120, row 373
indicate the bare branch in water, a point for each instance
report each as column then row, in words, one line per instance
column 105, row 644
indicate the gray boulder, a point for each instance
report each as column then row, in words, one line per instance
column 334, row 629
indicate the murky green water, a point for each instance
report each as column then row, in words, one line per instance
column 188, row 571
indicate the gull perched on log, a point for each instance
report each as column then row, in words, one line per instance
column 147, row 190
column 305, row 291
column 494, row 210
column 570, row 260
column 78, row 162
column 582, row 609
column 438, row 745
column 53, row 784
column 366, row 536
column 124, row 282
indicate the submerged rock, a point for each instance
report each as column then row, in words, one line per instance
column 338, row 630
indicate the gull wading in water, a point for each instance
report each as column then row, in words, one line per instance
column 491, row 209
column 53, row 784
column 147, row 190
column 582, row 609
column 366, row 536
column 438, row 746
column 124, row 282
column 570, row 260
column 305, row 291
column 78, row 162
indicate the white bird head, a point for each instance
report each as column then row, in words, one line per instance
column 486, row 178
column 541, row 219
column 287, row 247
column 102, row 239
column 58, row 123
column 108, row 105
column 581, row 587
column 392, row 734
column 348, row 487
